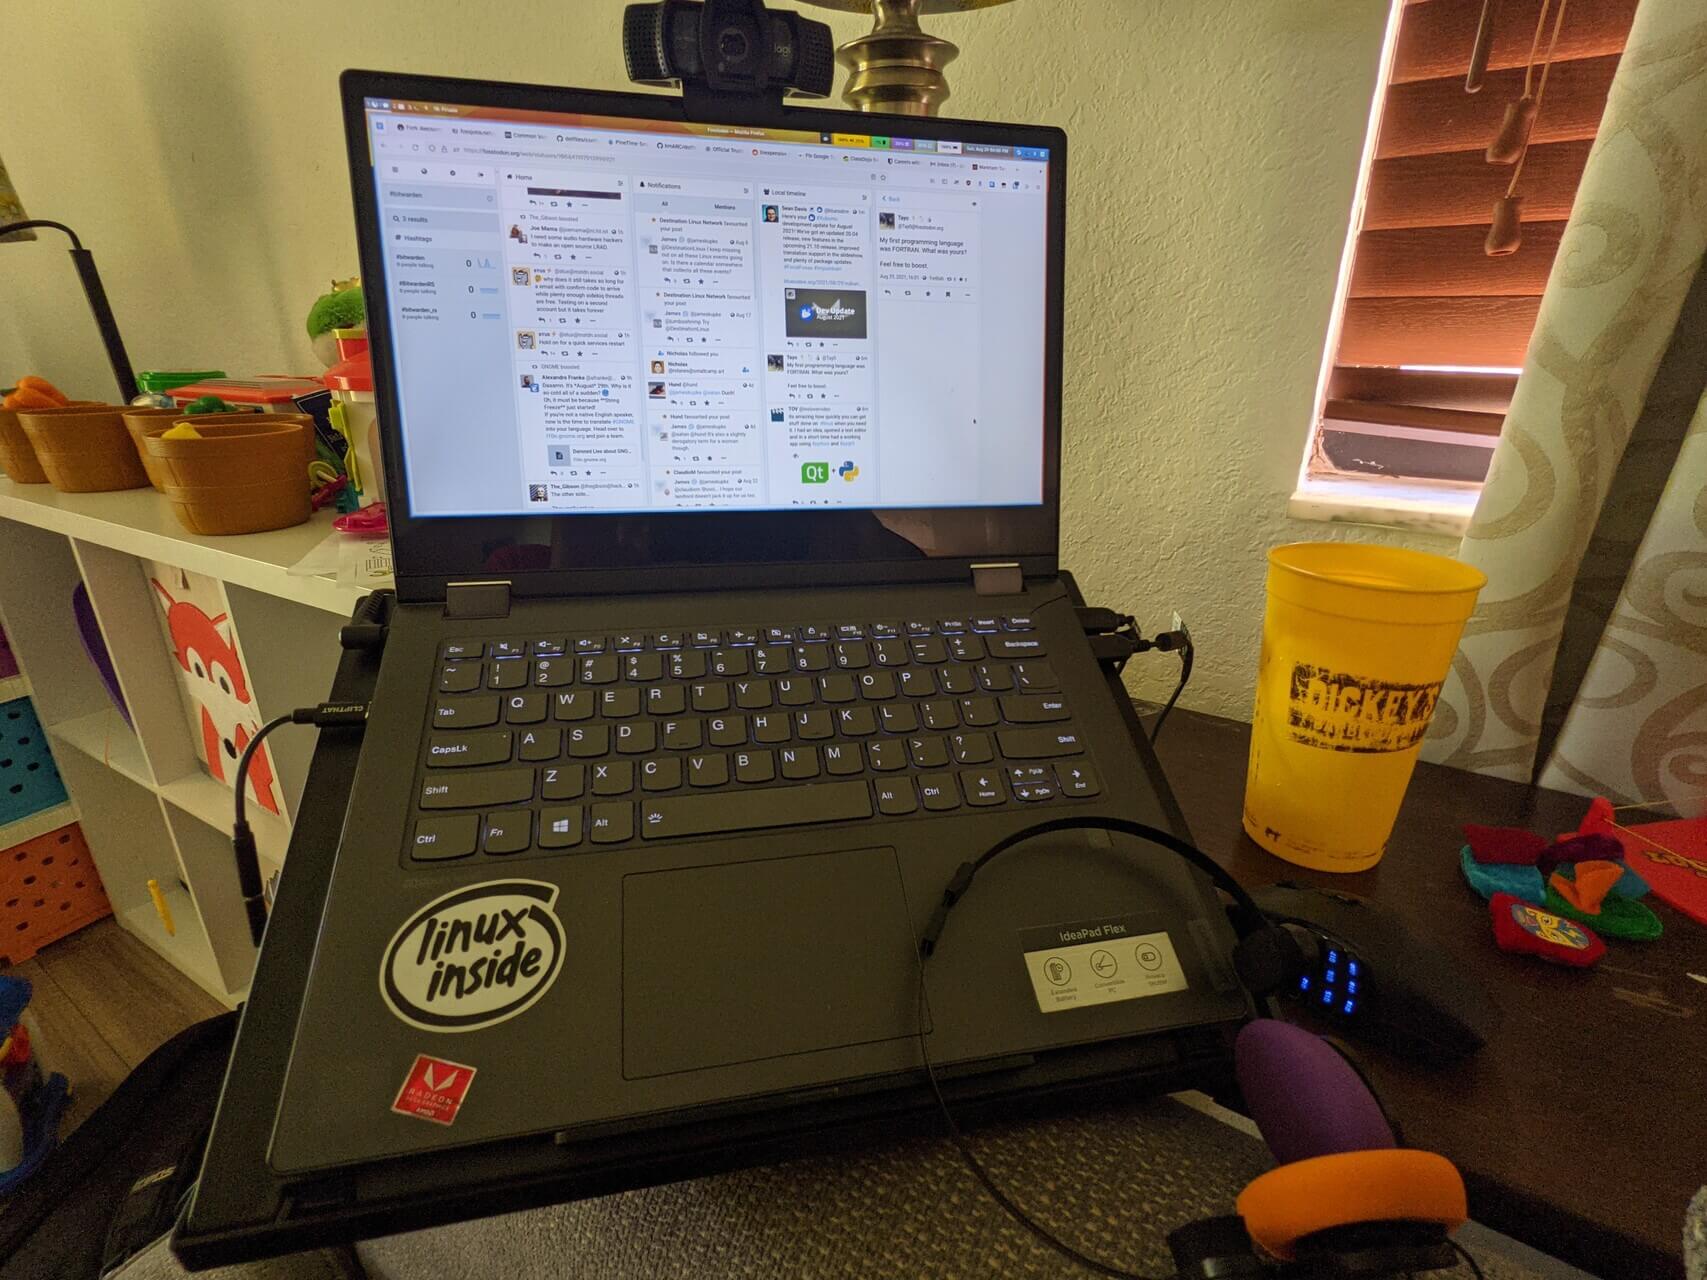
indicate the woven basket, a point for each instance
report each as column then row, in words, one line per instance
column 84, row 449
column 235, row 480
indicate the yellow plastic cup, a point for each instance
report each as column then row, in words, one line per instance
column 1356, row 643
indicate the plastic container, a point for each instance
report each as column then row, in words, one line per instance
column 84, row 448
column 355, row 414
column 48, row 888
column 29, row 782
column 160, row 381
column 239, row 480
column 137, row 421
column 1356, row 643
column 270, row 393
column 209, row 424
column 17, row 455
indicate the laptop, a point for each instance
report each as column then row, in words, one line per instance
column 723, row 467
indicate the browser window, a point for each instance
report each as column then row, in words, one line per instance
column 605, row 315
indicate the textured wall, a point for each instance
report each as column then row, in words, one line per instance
column 195, row 145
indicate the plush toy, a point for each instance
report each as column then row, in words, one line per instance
column 1581, row 877
column 31, row 1101
column 340, row 309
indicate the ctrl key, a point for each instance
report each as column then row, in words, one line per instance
column 439, row 839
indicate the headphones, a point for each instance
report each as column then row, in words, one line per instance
column 1347, row 1200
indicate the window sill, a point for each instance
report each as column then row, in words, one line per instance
column 1416, row 505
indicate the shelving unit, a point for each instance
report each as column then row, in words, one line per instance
column 149, row 809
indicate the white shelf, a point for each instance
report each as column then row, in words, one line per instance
column 201, row 797
column 36, row 824
column 13, row 688
column 104, row 736
column 139, row 522
column 186, row 950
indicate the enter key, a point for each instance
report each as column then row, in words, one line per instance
column 1033, row 708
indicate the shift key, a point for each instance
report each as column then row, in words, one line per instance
column 1039, row 744
column 479, row 790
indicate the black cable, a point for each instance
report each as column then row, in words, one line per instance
column 1469, row 1261
column 1187, row 652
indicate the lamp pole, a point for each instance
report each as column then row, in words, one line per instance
column 98, row 305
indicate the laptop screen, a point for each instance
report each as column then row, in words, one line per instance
column 607, row 315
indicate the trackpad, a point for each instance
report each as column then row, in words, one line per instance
column 753, row 960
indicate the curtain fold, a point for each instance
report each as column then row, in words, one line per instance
column 1585, row 663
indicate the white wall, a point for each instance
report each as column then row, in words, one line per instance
column 196, row 146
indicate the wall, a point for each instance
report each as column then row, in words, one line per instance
column 195, row 144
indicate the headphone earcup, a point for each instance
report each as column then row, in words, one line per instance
column 1297, row 1200
column 1304, row 1096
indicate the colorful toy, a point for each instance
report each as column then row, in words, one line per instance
column 33, row 393
column 342, row 308
column 31, row 1100
column 1671, row 856
column 1582, row 876
column 1524, row 929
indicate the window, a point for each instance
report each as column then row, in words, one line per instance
column 1429, row 331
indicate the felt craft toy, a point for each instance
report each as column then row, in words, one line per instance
column 1524, row 929
column 1504, row 844
column 1582, row 877
column 1574, row 848
column 1619, row 917
column 1488, row 879
column 1593, row 881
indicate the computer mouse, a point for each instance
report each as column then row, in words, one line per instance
column 1371, row 977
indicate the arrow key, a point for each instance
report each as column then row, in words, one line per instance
column 1078, row 780
column 982, row 786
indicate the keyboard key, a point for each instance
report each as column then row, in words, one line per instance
column 849, row 631
column 589, row 740
column 927, row 752
column 1038, row 744
column 929, row 649
column 886, row 755
column 798, row 762
column 856, row 722
column 1034, row 791
column 577, row 704
column 547, row 646
column 814, row 724
column 795, row 691
column 956, row 679
column 883, row 631
column 560, row 828
column 1079, row 780
column 842, row 758
column 726, row 731
column 692, row 815
column 628, row 642
column 683, row 735
column 814, row 634
column 599, row 670
column 890, row 653
column 439, row 839
column 812, row 657
column 768, row 726
column 460, row 677
column 939, row 713
column 509, row 648
column 477, row 790
column 1030, row 676
column 984, row 626
column 895, row 796
column 590, row 644
column 1034, row 708
column 666, row 700
column 966, row 648
column 979, row 713
column 612, row 777
column 525, row 708
column 458, row 750
column 708, row 771
column 753, row 695
column 511, row 673
column 970, row 748
column 704, row 639
column 951, row 626
column 744, row 637
column 636, row 738
column 508, row 831
column 643, row 667
column 916, row 684
column 920, row 629
column 689, row 664
column 852, row 657
column 939, row 792
column 754, row 766
column 663, row 774
column 562, row 781
column 553, row 673
column 778, row 635
column 899, row 717
column 456, row 649
column 619, row 704
column 539, row 744
column 667, row 640
column 1023, row 646
column 1017, row 622
column 471, row 711
column 982, row 788
column 773, row 660
column 710, row 697
column 836, row 688
column 611, row 823
column 1025, row 774
column 876, row 686
column 995, row 676
column 727, row 662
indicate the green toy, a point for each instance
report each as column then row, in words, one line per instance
column 208, row 404
column 340, row 309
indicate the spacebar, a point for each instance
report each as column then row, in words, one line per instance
column 752, row 810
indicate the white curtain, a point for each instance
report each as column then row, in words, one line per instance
column 1585, row 664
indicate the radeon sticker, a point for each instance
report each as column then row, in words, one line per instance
column 474, row 957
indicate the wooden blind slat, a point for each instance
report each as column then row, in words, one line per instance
column 1460, row 187
column 1453, row 331
column 1444, row 262
column 1437, row 115
column 1410, row 415
column 1471, row 392
column 1435, row 38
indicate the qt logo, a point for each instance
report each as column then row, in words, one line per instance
column 814, row 473
column 474, row 957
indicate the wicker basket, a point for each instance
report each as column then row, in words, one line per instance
column 84, row 449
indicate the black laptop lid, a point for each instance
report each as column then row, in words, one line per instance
column 618, row 349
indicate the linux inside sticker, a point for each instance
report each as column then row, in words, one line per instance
column 434, row 1089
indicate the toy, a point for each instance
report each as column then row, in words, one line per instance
column 208, row 404
column 33, row 393
column 1671, row 855
column 1581, row 876
column 1524, row 929
column 342, row 308
column 31, row 1100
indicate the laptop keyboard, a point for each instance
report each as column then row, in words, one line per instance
column 557, row 744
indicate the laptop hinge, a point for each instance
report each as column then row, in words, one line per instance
column 477, row 600
column 1003, row 579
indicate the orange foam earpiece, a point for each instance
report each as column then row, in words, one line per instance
column 1299, row 1199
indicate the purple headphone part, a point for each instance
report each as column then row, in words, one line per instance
column 1305, row 1098
column 95, row 645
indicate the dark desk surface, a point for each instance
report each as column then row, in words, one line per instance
column 1582, row 1128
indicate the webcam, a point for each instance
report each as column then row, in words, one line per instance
column 727, row 49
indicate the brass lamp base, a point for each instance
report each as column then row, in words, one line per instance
column 896, row 67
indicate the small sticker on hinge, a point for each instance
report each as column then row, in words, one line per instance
column 1099, row 962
